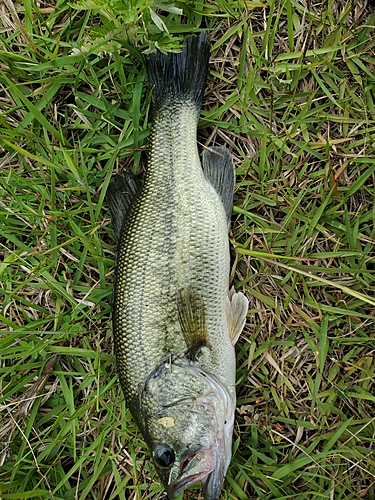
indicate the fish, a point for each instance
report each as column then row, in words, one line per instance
column 175, row 321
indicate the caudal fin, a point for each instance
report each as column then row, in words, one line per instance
column 182, row 76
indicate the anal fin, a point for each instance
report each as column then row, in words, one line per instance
column 218, row 168
column 236, row 309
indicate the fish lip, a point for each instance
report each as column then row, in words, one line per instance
column 184, row 478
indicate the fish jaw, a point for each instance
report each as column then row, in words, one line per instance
column 195, row 466
column 206, row 465
column 213, row 483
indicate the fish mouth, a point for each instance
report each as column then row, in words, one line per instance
column 196, row 465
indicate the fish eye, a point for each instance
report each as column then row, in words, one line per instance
column 164, row 456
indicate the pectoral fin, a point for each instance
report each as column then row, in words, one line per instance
column 236, row 309
column 192, row 318
column 120, row 196
column 218, row 168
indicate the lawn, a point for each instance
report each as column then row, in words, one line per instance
column 291, row 92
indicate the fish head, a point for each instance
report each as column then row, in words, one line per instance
column 188, row 417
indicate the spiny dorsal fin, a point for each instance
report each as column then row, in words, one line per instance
column 236, row 309
column 218, row 168
column 120, row 196
column 192, row 317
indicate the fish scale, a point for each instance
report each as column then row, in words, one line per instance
column 174, row 321
column 178, row 215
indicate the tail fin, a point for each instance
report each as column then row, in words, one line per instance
column 180, row 76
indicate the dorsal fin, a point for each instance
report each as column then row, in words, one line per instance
column 120, row 197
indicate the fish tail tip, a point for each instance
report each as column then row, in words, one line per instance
column 180, row 76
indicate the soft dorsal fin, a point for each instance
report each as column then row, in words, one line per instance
column 120, row 196
column 218, row 168
column 192, row 318
column 236, row 309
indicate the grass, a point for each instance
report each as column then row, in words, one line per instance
column 292, row 93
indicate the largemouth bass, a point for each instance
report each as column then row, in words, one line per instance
column 175, row 321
